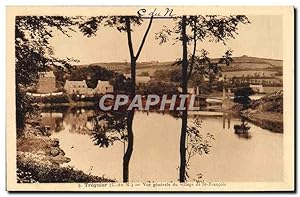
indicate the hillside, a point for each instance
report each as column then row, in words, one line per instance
column 253, row 63
column 243, row 63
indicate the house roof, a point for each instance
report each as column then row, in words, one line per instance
column 75, row 83
column 103, row 83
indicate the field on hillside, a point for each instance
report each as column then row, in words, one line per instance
column 243, row 65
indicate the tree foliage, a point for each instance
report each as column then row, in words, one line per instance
column 241, row 95
column 33, row 54
column 197, row 143
column 109, row 127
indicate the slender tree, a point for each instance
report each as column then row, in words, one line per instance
column 123, row 24
column 184, row 83
column 192, row 29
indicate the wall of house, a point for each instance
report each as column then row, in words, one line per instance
column 46, row 85
column 103, row 89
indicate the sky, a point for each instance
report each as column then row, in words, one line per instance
column 261, row 38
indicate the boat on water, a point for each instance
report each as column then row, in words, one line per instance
column 242, row 130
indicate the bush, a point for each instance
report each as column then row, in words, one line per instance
column 241, row 95
column 52, row 99
column 32, row 173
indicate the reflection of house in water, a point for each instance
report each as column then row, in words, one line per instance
column 78, row 121
column 226, row 116
column 53, row 121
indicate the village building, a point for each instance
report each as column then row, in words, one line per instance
column 257, row 88
column 139, row 79
column 103, row 87
column 80, row 87
column 46, row 83
column 257, row 80
column 77, row 87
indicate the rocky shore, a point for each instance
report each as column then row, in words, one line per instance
column 39, row 159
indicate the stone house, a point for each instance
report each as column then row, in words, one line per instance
column 103, row 87
column 46, row 82
column 80, row 87
column 77, row 87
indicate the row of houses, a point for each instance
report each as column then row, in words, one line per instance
column 47, row 85
column 257, row 80
column 80, row 87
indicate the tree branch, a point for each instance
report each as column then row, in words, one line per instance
column 129, row 39
column 194, row 50
column 144, row 38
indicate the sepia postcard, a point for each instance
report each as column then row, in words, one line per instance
column 150, row 99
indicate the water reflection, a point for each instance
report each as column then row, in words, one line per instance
column 242, row 130
column 226, row 116
column 78, row 120
column 156, row 157
column 53, row 121
column 109, row 127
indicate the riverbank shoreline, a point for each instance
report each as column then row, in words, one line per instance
column 266, row 112
column 265, row 120
column 40, row 159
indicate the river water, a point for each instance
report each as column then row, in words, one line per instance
column 156, row 149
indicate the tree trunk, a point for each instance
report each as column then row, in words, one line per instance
column 129, row 150
column 184, row 84
column 133, row 60
column 128, row 153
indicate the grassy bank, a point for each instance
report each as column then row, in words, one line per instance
column 266, row 112
column 40, row 173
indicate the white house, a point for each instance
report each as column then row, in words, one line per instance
column 257, row 88
column 77, row 87
column 139, row 79
column 80, row 87
column 103, row 87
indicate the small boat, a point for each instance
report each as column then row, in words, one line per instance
column 239, row 129
column 242, row 130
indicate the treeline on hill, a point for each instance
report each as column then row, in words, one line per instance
column 197, row 80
